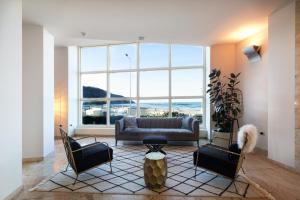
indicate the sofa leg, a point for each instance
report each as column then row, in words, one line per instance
column 116, row 143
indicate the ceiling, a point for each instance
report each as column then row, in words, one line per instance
column 203, row 22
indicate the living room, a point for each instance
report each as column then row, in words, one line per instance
column 149, row 99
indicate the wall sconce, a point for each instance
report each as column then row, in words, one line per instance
column 252, row 53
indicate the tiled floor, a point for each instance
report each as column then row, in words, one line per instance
column 282, row 183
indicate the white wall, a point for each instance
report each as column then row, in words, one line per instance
column 38, row 84
column 61, row 87
column 11, row 96
column 32, row 91
column 222, row 57
column 281, row 92
column 48, row 92
column 72, row 89
column 268, row 85
column 254, row 84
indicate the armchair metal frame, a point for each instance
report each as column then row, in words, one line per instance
column 69, row 152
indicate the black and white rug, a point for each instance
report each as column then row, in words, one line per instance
column 128, row 177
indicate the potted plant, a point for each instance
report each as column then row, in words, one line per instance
column 224, row 97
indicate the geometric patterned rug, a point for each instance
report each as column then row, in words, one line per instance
column 128, row 177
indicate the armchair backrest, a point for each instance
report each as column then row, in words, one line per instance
column 68, row 149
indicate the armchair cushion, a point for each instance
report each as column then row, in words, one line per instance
column 92, row 156
column 74, row 144
column 216, row 160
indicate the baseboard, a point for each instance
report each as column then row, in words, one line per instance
column 15, row 193
column 286, row 167
column 93, row 135
column 95, row 131
column 35, row 159
column 261, row 151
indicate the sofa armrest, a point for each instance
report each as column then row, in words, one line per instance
column 195, row 127
column 119, row 126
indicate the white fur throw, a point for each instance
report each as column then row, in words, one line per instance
column 248, row 131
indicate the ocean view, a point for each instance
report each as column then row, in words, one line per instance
column 96, row 110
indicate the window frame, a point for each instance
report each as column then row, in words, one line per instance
column 169, row 68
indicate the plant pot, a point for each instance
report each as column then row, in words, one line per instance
column 220, row 138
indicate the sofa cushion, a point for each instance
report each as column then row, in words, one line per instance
column 156, row 131
column 130, row 122
column 216, row 160
column 159, row 122
column 187, row 123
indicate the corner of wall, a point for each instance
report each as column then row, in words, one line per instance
column 254, row 85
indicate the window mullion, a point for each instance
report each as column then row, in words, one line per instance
column 138, row 81
column 170, row 81
column 108, row 87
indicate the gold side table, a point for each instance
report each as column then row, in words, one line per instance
column 155, row 169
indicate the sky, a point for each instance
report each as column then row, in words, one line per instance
column 185, row 82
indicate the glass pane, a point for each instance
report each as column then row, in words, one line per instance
column 94, row 112
column 187, row 55
column 188, row 107
column 123, row 56
column 123, row 84
column 121, row 108
column 154, row 83
column 154, row 55
column 93, row 85
column 187, row 82
column 93, row 59
column 154, row 108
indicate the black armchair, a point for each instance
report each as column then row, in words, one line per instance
column 226, row 162
column 83, row 158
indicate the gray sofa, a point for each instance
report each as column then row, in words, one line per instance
column 175, row 129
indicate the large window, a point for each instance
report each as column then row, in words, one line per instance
column 141, row 79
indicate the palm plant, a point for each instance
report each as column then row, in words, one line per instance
column 224, row 98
